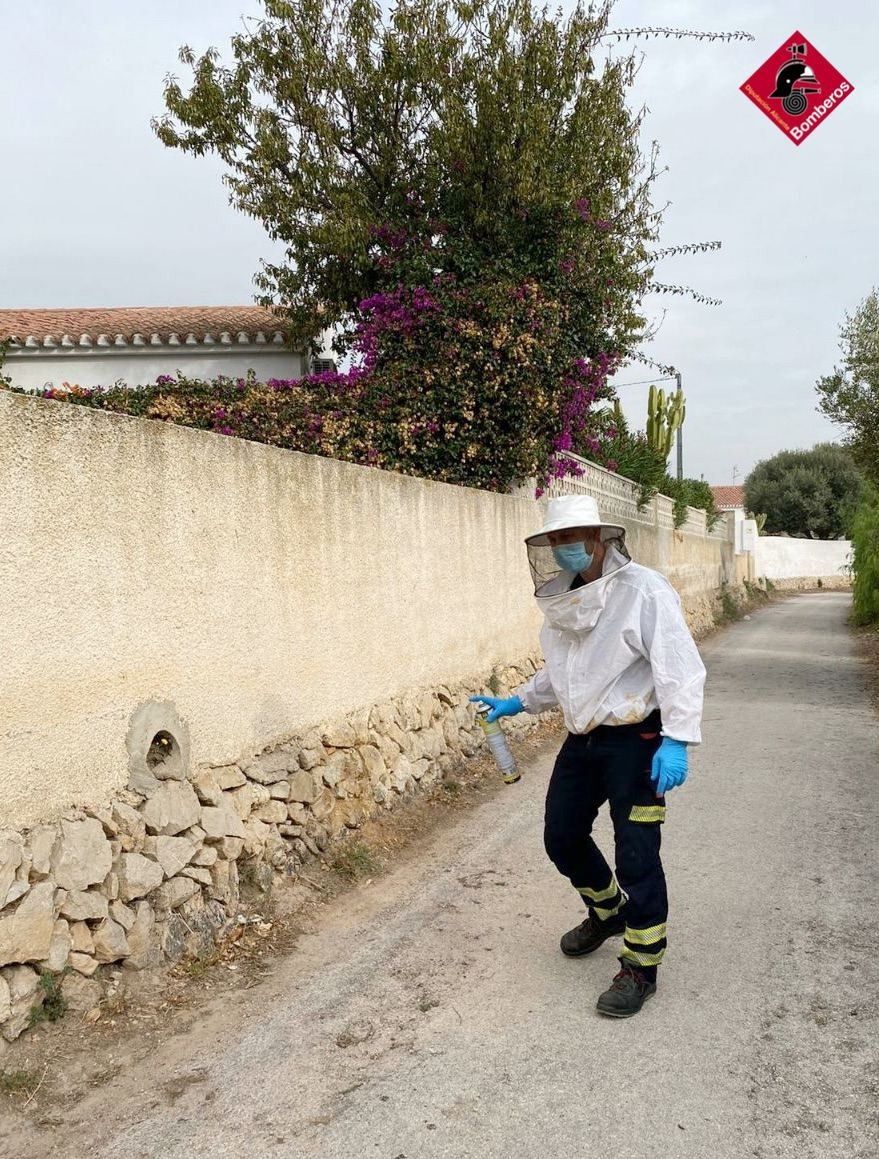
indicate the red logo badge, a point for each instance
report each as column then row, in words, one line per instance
column 797, row 88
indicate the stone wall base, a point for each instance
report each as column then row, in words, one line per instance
column 153, row 876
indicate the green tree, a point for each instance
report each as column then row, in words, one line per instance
column 458, row 186
column 850, row 395
column 810, row 493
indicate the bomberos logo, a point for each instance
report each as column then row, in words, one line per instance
column 797, row 88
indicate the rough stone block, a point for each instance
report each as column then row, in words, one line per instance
column 310, row 758
column 59, row 948
column 144, row 949
column 172, row 853
column 323, row 804
column 245, row 799
column 221, row 822
column 173, row 893
column 303, row 787
column 171, row 809
column 207, row 787
column 82, row 855
column 81, row 940
column 373, row 762
column 123, row 914
column 84, row 964
column 230, row 848
column 359, row 722
column 297, row 813
column 40, row 843
column 229, row 777
column 419, row 768
column 110, row 941
column 338, row 735
column 272, row 812
column 25, row 992
column 401, row 772
column 26, row 932
column 271, row 767
column 224, row 879
column 255, row 835
column 429, row 708
column 138, row 875
column 84, row 905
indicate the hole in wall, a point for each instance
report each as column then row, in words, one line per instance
column 163, row 756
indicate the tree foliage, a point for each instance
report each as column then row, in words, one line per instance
column 459, row 189
column 850, row 395
column 810, row 493
column 446, row 137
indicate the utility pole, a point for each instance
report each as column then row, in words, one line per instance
column 680, row 439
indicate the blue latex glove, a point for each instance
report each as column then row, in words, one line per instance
column 669, row 765
column 500, row 707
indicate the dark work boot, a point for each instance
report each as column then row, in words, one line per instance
column 589, row 935
column 627, row 993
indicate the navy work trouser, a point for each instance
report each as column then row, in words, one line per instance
column 613, row 764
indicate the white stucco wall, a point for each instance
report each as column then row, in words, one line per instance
column 256, row 590
column 781, row 558
column 34, row 370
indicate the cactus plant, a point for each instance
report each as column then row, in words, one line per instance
column 664, row 416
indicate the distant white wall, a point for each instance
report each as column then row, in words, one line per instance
column 34, row 370
column 781, row 558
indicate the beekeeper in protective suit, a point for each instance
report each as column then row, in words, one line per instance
column 622, row 666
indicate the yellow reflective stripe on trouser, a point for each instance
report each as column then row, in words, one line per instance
column 640, row 959
column 613, row 893
column 647, row 813
column 645, row 937
column 604, row 914
column 599, row 894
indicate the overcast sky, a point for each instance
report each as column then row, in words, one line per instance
column 95, row 212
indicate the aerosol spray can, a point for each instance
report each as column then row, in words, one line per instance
column 494, row 734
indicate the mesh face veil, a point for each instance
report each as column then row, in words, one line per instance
column 551, row 579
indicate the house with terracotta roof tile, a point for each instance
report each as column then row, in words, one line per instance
column 135, row 345
column 729, row 498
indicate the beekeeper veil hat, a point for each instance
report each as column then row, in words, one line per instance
column 565, row 514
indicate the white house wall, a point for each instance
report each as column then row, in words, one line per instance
column 38, row 369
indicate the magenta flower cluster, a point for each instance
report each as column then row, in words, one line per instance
column 398, row 311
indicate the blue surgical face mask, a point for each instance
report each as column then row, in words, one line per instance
column 572, row 557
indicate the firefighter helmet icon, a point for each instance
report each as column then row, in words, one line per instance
column 795, row 78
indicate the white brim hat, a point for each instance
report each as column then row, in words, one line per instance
column 573, row 511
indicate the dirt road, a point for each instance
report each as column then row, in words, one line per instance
column 432, row 1014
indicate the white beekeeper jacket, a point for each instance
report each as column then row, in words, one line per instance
column 615, row 650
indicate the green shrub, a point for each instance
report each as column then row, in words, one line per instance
column 690, row 493
column 865, row 560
